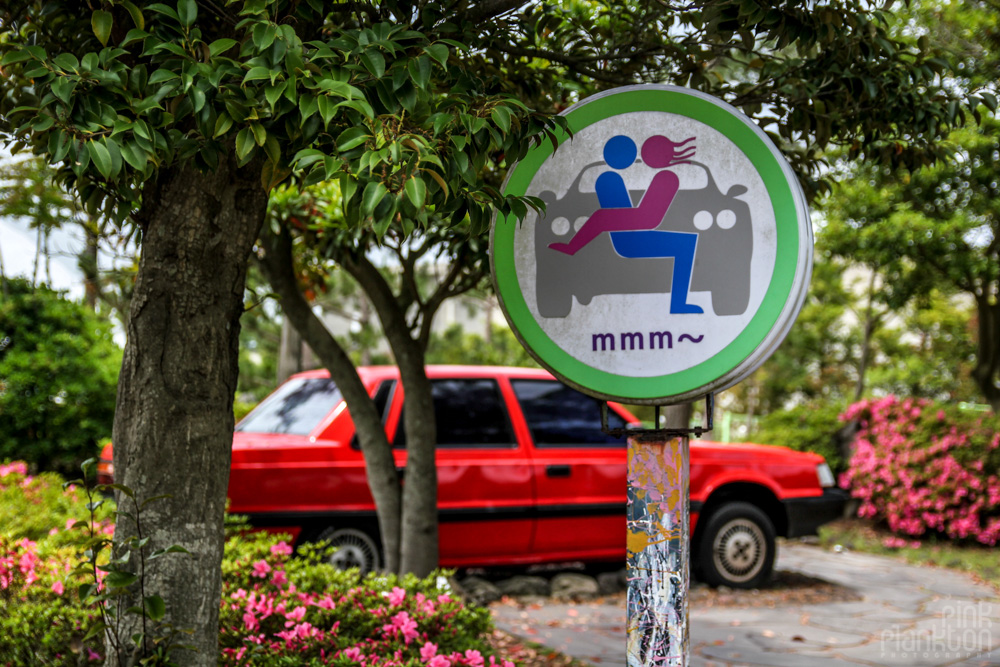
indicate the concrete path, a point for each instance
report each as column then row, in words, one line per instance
column 909, row 616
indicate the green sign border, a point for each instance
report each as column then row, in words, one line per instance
column 649, row 389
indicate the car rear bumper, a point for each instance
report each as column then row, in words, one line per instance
column 805, row 515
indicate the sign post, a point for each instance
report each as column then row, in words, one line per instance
column 670, row 260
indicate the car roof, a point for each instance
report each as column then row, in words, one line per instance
column 434, row 371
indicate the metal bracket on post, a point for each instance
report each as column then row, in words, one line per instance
column 662, row 433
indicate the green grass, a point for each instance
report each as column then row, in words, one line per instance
column 865, row 536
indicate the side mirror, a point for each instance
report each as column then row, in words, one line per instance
column 736, row 191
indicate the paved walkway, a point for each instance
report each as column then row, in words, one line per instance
column 909, row 616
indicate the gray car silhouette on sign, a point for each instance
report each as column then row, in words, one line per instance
column 722, row 259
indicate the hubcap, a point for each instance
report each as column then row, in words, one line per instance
column 739, row 549
column 353, row 549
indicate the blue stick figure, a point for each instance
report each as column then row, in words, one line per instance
column 619, row 153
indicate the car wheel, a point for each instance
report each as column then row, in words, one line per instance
column 737, row 547
column 354, row 548
column 554, row 304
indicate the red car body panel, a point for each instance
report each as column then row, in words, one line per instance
column 499, row 505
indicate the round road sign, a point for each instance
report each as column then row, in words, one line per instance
column 673, row 254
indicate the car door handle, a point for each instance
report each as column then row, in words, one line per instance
column 557, row 471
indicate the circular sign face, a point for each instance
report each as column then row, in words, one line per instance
column 673, row 254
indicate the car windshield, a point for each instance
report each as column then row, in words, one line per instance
column 297, row 407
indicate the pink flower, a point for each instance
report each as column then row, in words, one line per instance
column 261, row 568
column 439, row 661
column 397, row 596
column 92, row 655
column 281, row 549
column 279, row 578
column 353, row 653
column 474, row 658
column 428, row 651
column 57, row 588
column 295, row 616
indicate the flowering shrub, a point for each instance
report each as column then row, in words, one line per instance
column 925, row 469
column 276, row 609
column 275, row 606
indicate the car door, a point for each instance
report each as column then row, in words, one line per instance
column 485, row 495
column 579, row 472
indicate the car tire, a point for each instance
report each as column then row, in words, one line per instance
column 354, row 549
column 554, row 304
column 732, row 300
column 737, row 547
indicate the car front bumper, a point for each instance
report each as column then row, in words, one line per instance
column 805, row 515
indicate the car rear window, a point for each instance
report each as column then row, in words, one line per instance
column 297, row 407
column 469, row 413
column 559, row 416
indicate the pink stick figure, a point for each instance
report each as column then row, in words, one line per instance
column 657, row 152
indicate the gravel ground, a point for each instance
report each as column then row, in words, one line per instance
column 785, row 588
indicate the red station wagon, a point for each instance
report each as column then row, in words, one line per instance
column 525, row 475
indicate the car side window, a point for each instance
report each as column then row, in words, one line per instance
column 469, row 413
column 559, row 416
column 297, row 407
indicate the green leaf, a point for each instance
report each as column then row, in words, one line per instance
column 86, row 590
column 221, row 46
column 222, row 124
column 273, row 93
column 161, row 75
column 156, row 608
column 135, row 13
column 438, row 52
column 259, row 133
column 187, row 12
column 66, row 61
column 420, row 71
column 416, row 191
column 12, row 57
column 501, row 116
column 161, row 8
column 100, row 157
column 272, row 148
column 198, row 99
column 374, row 192
column 326, row 108
column 120, row 579
column 374, row 62
column 257, row 73
column 116, row 156
column 244, row 143
column 101, row 21
column 990, row 100
column 352, row 137
column 134, row 156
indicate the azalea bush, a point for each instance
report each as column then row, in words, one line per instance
column 277, row 608
column 926, row 469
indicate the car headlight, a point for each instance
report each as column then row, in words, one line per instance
column 825, row 475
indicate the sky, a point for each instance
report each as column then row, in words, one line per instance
column 17, row 248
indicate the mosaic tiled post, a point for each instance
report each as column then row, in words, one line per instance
column 658, row 563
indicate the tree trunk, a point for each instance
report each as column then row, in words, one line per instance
column 87, row 261
column 420, row 551
column 871, row 321
column 987, row 370
column 380, row 467
column 419, row 545
column 173, row 428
